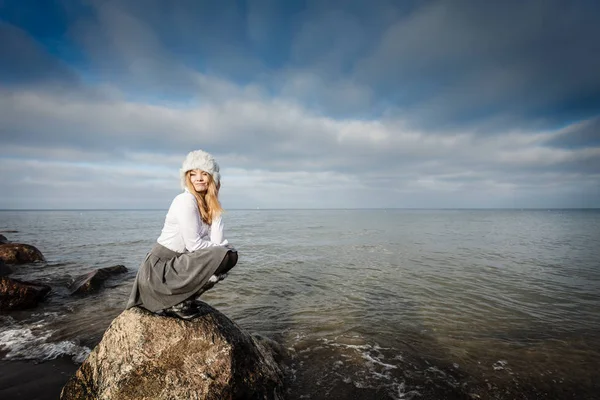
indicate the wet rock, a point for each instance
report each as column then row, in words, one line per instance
column 4, row 269
column 92, row 281
column 19, row 253
column 16, row 294
column 3, row 239
column 146, row 356
column 280, row 354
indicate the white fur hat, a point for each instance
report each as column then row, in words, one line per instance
column 200, row 160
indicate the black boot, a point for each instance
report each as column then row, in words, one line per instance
column 184, row 310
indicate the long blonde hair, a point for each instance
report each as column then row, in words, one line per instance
column 208, row 203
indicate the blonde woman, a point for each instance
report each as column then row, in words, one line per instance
column 191, row 254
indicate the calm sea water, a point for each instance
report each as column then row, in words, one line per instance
column 386, row 304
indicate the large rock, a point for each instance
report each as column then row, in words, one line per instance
column 145, row 356
column 3, row 239
column 93, row 280
column 18, row 253
column 16, row 294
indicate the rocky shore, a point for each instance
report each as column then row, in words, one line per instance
column 141, row 355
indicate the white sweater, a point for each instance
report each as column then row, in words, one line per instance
column 184, row 229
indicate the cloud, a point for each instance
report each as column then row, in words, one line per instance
column 339, row 96
column 25, row 62
column 428, row 104
column 284, row 148
column 579, row 135
column 82, row 185
column 462, row 62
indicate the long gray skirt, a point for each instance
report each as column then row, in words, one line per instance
column 167, row 278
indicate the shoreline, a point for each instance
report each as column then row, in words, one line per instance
column 28, row 380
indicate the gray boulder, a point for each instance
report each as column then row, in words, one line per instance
column 92, row 281
column 146, row 356
column 3, row 239
column 16, row 294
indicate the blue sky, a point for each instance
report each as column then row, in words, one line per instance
column 305, row 104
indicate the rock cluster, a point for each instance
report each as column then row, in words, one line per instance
column 146, row 356
column 16, row 294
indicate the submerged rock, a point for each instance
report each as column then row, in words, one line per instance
column 19, row 253
column 17, row 295
column 146, row 356
column 93, row 280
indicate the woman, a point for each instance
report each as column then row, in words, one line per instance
column 191, row 254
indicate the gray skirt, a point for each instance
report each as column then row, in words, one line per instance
column 167, row 278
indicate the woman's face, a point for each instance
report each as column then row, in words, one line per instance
column 199, row 180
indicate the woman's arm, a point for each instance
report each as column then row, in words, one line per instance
column 216, row 232
column 190, row 225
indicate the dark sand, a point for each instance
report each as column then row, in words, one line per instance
column 26, row 380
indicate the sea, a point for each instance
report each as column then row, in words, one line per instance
column 371, row 303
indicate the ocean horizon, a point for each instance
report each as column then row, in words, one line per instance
column 336, row 208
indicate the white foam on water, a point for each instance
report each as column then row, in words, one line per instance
column 366, row 352
column 21, row 343
column 377, row 361
column 436, row 371
column 353, row 346
column 400, row 392
column 501, row 365
column 45, row 314
column 374, row 374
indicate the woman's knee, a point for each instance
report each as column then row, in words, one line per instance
column 228, row 262
column 233, row 258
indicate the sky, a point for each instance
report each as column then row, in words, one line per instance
column 304, row 104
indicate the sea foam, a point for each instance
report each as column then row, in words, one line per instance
column 20, row 343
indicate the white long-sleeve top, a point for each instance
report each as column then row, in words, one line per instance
column 185, row 230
